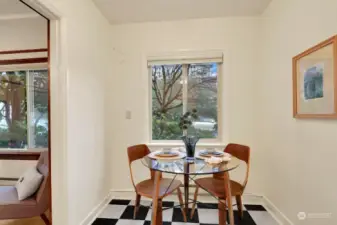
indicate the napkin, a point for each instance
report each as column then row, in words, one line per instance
column 217, row 160
column 213, row 160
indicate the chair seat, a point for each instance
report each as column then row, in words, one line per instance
column 145, row 188
column 217, row 187
column 12, row 208
column 9, row 196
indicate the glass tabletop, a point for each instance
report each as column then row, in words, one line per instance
column 182, row 166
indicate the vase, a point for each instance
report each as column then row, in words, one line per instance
column 190, row 143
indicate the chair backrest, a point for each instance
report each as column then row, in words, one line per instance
column 44, row 192
column 137, row 152
column 241, row 152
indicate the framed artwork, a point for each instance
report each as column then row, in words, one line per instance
column 315, row 81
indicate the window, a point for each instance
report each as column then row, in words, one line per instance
column 24, row 109
column 181, row 87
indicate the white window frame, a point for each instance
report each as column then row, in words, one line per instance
column 185, row 58
column 30, row 103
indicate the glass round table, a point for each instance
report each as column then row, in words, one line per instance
column 189, row 170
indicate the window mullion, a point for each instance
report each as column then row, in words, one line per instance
column 30, row 110
column 185, row 90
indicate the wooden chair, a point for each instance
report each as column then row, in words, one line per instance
column 146, row 187
column 215, row 184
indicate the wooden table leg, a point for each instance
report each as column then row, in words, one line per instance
column 160, row 212
column 222, row 212
column 186, row 192
column 186, row 186
column 229, row 198
column 156, row 205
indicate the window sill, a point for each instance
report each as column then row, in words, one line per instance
column 181, row 144
column 19, row 150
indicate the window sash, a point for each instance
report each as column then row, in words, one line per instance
column 30, row 102
column 185, row 104
column 30, row 110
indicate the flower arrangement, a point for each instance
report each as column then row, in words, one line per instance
column 187, row 119
column 190, row 141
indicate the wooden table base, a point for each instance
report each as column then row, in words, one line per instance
column 157, row 203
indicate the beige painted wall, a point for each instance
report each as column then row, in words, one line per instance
column 300, row 154
column 128, row 86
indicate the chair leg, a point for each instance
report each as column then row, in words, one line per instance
column 45, row 219
column 239, row 204
column 194, row 201
column 181, row 202
column 222, row 212
column 137, row 203
column 159, row 211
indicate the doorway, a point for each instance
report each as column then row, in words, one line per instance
column 25, row 111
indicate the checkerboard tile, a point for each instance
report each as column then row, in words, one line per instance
column 120, row 212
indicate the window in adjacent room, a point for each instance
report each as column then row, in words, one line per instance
column 24, row 109
column 182, row 85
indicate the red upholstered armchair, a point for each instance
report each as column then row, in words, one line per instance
column 36, row 205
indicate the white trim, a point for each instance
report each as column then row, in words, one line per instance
column 59, row 100
column 97, row 210
column 30, row 109
column 28, row 55
column 24, row 149
column 184, row 81
column 185, row 57
column 20, row 67
column 276, row 213
column 46, row 8
column 149, row 100
column 220, row 73
column 59, row 90
column 19, row 16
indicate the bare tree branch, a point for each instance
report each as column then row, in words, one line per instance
column 173, row 107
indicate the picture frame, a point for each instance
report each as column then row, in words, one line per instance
column 315, row 81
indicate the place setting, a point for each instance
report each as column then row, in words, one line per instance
column 210, row 156
column 167, row 154
column 213, row 156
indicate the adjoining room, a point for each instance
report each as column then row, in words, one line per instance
column 25, row 183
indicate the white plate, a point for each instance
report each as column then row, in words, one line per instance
column 225, row 157
column 153, row 155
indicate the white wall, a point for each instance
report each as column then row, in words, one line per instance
column 80, row 171
column 18, row 34
column 301, row 154
column 128, row 86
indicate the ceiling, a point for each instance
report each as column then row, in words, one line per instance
column 14, row 9
column 129, row 11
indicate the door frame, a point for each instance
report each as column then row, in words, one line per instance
column 58, row 92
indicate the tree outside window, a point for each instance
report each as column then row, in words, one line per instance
column 180, row 88
column 24, row 109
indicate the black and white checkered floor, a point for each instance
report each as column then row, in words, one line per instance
column 120, row 212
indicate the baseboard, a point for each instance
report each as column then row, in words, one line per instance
column 248, row 198
column 97, row 210
column 276, row 212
